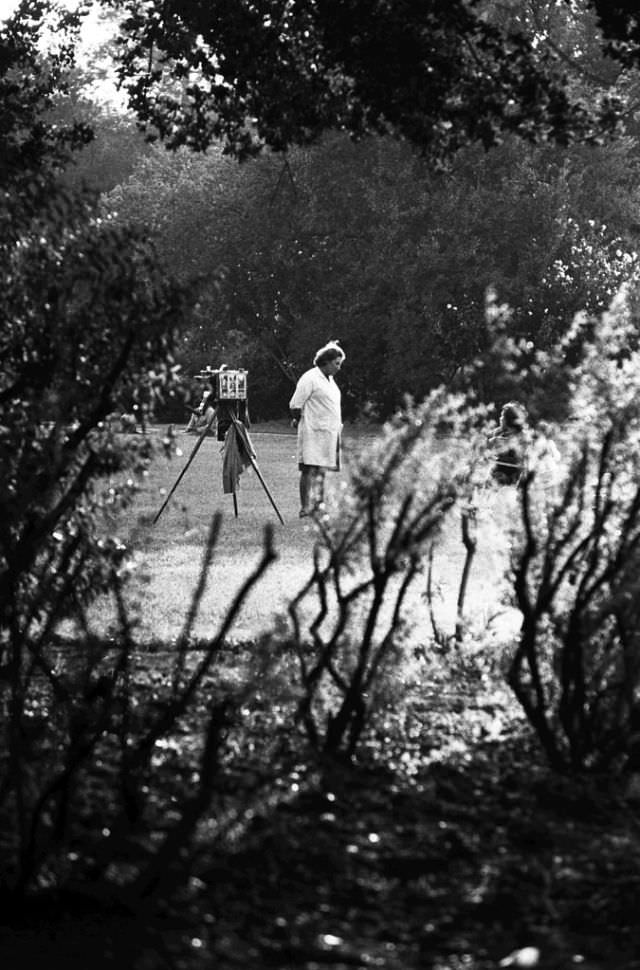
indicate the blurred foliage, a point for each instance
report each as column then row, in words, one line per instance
column 88, row 325
column 87, row 328
column 576, row 668
column 87, row 331
column 349, row 624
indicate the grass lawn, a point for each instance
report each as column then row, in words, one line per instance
column 168, row 554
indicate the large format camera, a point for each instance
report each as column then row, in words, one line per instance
column 228, row 395
column 226, row 385
column 228, row 400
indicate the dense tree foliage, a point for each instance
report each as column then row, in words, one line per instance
column 373, row 244
column 365, row 243
column 116, row 143
column 439, row 73
column 275, row 73
column 89, row 97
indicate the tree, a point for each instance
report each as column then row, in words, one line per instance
column 116, row 144
column 30, row 140
column 365, row 243
column 440, row 73
column 89, row 97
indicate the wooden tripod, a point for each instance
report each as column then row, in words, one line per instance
column 224, row 409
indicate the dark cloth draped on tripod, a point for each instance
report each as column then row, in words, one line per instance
column 236, row 455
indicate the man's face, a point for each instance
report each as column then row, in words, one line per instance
column 333, row 367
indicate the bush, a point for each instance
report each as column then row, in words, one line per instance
column 576, row 561
column 87, row 321
column 371, row 549
column 87, row 327
column 109, row 760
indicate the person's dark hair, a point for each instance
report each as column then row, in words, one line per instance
column 514, row 415
column 330, row 351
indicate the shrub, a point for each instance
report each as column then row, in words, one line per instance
column 87, row 323
column 110, row 759
column 576, row 667
column 87, row 320
column 370, row 551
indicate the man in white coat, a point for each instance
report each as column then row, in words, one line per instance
column 316, row 412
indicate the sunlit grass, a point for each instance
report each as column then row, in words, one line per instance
column 167, row 556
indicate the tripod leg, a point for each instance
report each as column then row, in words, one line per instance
column 239, row 428
column 183, row 472
column 235, row 504
column 264, row 485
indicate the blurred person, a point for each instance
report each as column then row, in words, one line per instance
column 200, row 415
column 507, row 444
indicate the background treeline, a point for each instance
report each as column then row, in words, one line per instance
column 362, row 242
column 371, row 243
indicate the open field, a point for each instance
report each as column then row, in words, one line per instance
column 167, row 556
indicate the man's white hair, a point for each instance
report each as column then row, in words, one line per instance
column 330, row 351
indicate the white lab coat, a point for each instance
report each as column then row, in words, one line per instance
column 318, row 398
